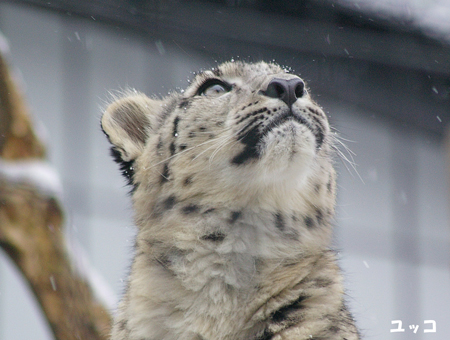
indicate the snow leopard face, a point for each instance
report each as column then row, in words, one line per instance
column 233, row 193
column 235, row 131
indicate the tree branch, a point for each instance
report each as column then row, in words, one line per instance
column 31, row 229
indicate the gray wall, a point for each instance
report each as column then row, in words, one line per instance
column 392, row 223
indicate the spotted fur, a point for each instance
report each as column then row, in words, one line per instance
column 233, row 192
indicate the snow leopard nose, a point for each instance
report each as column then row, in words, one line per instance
column 286, row 90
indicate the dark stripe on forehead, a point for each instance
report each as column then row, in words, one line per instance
column 172, row 147
column 175, row 126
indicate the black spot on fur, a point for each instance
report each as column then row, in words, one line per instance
column 169, row 202
column 309, row 222
column 319, row 216
column 266, row 335
column 329, row 186
column 234, row 216
column 122, row 325
column 334, row 329
column 191, row 134
column 214, row 237
column 165, row 173
column 182, row 146
column 172, row 148
column 187, row 181
column 184, row 104
column 284, row 312
column 210, row 210
column 279, row 221
column 126, row 167
column 191, row 208
column 202, row 128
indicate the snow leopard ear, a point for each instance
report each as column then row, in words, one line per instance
column 127, row 123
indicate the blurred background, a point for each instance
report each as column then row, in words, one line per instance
column 380, row 69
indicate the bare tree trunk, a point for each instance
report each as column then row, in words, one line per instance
column 31, row 230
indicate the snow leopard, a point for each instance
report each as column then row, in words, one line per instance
column 233, row 190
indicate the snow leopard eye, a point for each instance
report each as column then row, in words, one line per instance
column 213, row 88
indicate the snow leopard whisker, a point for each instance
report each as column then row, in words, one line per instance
column 212, row 146
column 337, row 145
column 232, row 139
column 184, row 151
column 227, row 142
